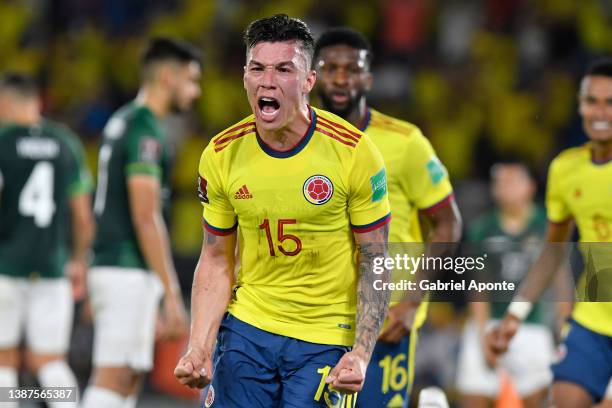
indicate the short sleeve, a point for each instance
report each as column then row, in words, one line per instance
column 368, row 203
column 426, row 177
column 218, row 216
column 143, row 150
column 556, row 206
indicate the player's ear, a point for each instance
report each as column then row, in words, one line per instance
column 311, row 79
column 165, row 74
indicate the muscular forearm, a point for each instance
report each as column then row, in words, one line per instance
column 210, row 296
column 542, row 272
column 443, row 232
column 372, row 304
column 211, row 291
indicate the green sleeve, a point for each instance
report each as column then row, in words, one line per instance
column 79, row 176
column 143, row 150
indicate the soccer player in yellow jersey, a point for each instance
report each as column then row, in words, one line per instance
column 579, row 191
column 417, row 183
column 305, row 194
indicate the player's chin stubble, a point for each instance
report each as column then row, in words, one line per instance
column 343, row 112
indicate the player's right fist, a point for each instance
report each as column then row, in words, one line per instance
column 498, row 339
column 194, row 369
column 348, row 375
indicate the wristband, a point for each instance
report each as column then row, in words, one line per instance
column 520, row 308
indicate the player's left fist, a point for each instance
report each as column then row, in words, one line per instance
column 349, row 374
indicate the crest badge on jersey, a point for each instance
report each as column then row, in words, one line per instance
column 210, row 397
column 318, row 189
column 149, row 150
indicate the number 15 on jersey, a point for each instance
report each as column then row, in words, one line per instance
column 283, row 238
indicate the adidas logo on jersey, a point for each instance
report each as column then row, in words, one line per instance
column 243, row 193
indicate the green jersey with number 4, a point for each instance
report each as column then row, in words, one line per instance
column 134, row 143
column 41, row 167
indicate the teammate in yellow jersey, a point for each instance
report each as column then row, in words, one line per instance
column 579, row 191
column 308, row 192
column 417, row 183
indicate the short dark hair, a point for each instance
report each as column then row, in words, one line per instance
column 343, row 36
column 170, row 49
column 513, row 161
column 600, row 67
column 20, row 83
column 280, row 28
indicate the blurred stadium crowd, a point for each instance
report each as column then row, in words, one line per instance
column 484, row 79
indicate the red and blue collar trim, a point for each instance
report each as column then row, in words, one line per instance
column 283, row 154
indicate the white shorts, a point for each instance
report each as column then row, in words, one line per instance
column 527, row 362
column 125, row 303
column 43, row 307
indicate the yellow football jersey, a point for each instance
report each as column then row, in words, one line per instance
column 297, row 211
column 579, row 188
column 416, row 178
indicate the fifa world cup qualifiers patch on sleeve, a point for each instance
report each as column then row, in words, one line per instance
column 436, row 170
column 379, row 185
column 149, row 150
column 202, row 193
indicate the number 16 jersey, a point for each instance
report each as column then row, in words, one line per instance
column 296, row 211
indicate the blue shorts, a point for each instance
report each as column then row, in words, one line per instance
column 257, row 369
column 389, row 376
column 586, row 360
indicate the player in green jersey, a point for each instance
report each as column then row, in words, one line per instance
column 133, row 265
column 44, row 188
column 511, row 236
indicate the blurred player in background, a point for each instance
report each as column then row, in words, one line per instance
column 44, row 189
column 307, row 191
column 418, row 182
column 511, row 235
column 579, row 191
column 133, row 265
